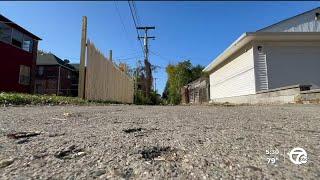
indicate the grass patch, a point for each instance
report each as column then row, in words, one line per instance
column 31, row 99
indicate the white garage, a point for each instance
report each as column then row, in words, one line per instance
column 235, row 77
column 284, row 54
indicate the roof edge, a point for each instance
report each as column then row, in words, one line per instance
column 260, row 30
column 212, row 64
column 5, row 19
column 247, row 37
column 59, row 62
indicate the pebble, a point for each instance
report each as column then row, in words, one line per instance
column 80, row 154
column 98, row 172
column 6, row 162
column 22, row 141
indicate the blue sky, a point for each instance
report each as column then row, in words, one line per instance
column 198, row 31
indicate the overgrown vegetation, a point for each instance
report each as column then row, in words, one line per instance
column 179, row 75
column 141, row 99
column 30, row 99
column 140, row 96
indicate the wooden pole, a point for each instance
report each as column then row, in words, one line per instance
column 110, row 55
column 82, row 76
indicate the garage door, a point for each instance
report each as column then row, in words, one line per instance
column 293, row 65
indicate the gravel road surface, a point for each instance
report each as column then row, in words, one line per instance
column 144, row 142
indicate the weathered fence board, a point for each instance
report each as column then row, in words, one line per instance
column 104, row 81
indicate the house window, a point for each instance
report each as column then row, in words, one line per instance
column 27, row 43
column 5, row 33
column 24, row 75
column 17, row 38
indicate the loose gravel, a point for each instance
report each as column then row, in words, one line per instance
column 158, row 142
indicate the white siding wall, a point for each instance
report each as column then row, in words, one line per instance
column 234, row 78
column 293, row 63
column 303, row 23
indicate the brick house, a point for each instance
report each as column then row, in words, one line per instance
column 55, row 76
column 18, row 54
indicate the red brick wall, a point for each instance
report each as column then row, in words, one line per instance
column 11, row 58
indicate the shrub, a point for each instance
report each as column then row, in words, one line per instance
column 26, row 99
column 141, row 99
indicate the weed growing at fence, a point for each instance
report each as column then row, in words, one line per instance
column 30, row 99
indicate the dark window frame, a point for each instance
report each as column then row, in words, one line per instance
column 16, row 42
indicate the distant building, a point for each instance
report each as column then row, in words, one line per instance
column 284, row 54
column 55, row 76
column 75, row 79
column 18, row 54
column 196, row 92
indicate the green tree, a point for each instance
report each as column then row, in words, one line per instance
column 180, row 75
column 197, row 72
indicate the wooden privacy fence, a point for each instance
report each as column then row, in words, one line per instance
column 104, row 81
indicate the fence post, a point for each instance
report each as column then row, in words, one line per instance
column 110, row 55
column 82, row 76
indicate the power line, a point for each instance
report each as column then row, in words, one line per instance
column 123, row 26
column 125, row 56
column 135, row 24
column 132, row 14
column 135, row 57
column 162, row 57
column 136, row 12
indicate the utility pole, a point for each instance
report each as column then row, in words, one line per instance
column 82, row 70
column 146, row 57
